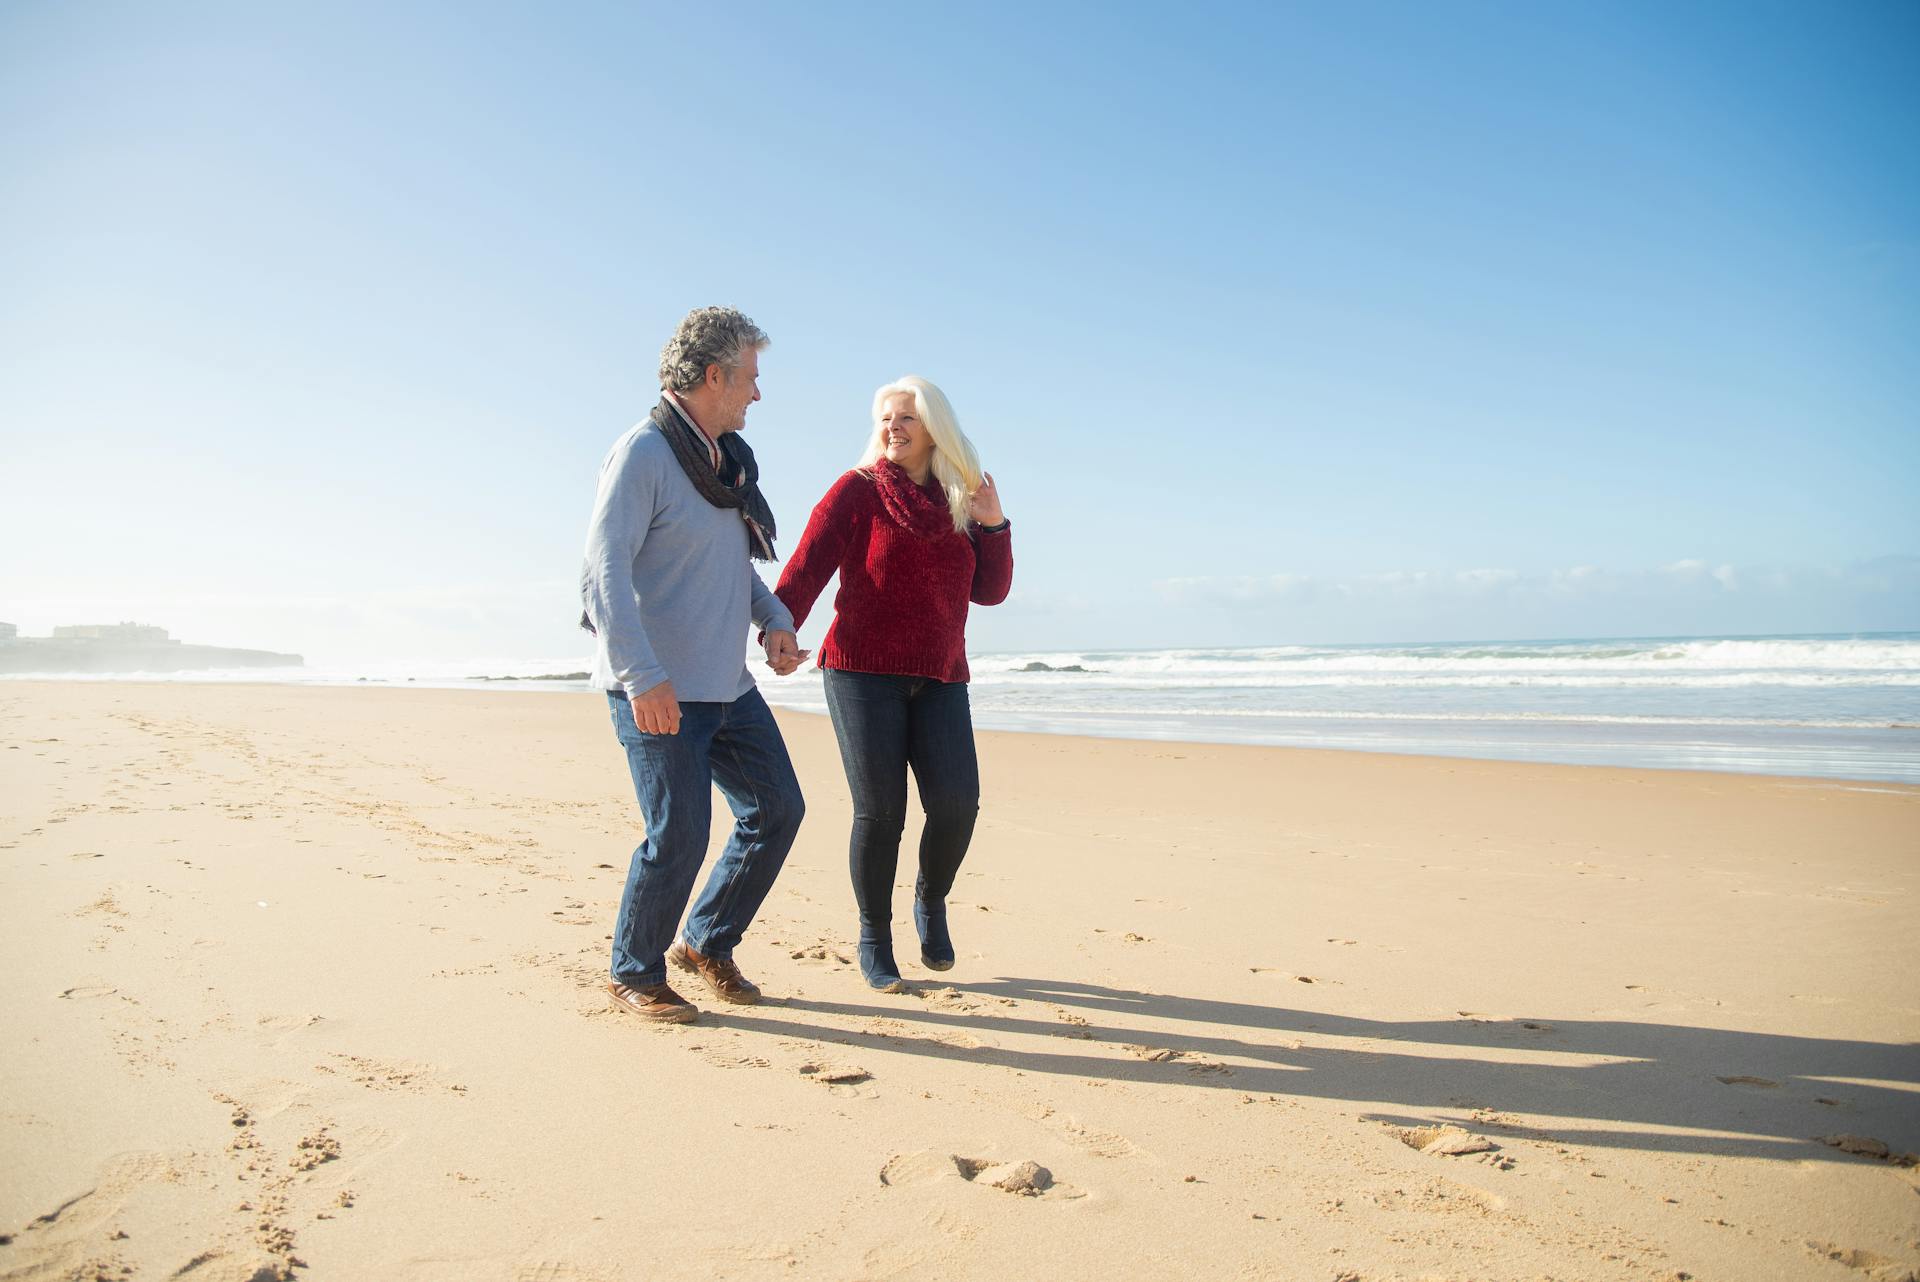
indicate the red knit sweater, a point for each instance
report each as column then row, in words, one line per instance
column 906, row 575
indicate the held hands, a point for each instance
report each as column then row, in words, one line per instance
column 657, row 711
column 983, row 505
column 784, row 654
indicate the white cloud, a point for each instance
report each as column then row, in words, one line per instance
column 1486, row 580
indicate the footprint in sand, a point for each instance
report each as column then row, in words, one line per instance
column 384, row 1075
column 277, row 1030
column 728, row 1057
column 1867, row 1146
column 946, row 997
column 1079, row 1026
column 923, row 1167
column 1448, row 1197
column 1017, row 1178
column 1443, row 1141
column 1100, row 1143
column 558, row 1271
column 315, row 1150
column 1275, row 970
column 105, row 906
column 840, row 1079
column 821, row 952
column 1530, row 1025
column 1853, row 1257
column 1167, row 1055
column 90, row 1208
column 1023, row 1179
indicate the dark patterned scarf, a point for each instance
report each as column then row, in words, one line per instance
column 735, row 485
column 920, row 508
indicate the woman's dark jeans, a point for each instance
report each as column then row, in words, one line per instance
column 884, row 724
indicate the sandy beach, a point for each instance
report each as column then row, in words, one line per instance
column 306, row 982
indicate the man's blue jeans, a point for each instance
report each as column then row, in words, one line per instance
column 738, row 747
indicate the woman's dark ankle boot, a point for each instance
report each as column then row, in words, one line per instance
column 877, row 964
column 936, row 947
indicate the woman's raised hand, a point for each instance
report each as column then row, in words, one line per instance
column 983, row 505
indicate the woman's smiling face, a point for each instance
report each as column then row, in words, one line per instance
column 907, row 441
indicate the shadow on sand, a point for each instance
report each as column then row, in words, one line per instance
column 1764, row 1094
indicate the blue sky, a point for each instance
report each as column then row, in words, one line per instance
column 1275, row 323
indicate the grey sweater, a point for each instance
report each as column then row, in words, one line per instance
column 669, row 584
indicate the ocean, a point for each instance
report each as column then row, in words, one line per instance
column 1835, row 706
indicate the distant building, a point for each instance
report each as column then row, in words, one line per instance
column 8, row 632
column 109, row 632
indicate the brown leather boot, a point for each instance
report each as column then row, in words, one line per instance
column 657, row 1003
column 722, row 976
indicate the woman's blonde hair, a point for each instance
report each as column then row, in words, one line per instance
column 956, row 465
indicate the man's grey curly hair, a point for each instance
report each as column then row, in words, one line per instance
column 708, row 336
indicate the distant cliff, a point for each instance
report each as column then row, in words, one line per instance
column 124, row 647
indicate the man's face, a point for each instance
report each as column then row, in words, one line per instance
column 738, row 388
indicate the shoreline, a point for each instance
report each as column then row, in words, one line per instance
column 985, row 725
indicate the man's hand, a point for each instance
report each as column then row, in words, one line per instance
column 784, row 654
column 657, row 711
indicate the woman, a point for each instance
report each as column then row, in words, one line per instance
column 915, row 532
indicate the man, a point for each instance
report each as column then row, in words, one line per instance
column 669, row 590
